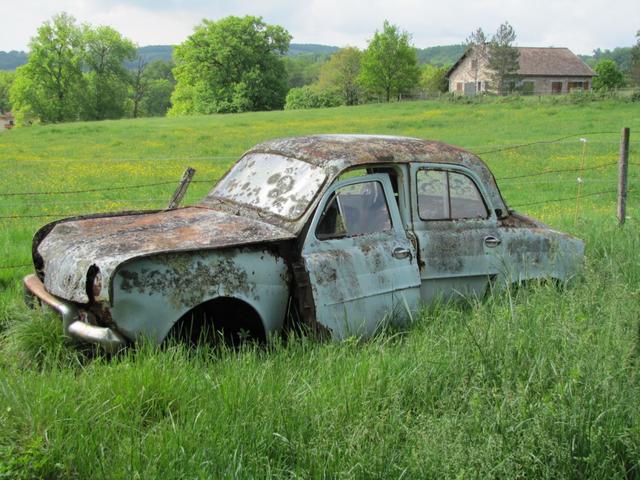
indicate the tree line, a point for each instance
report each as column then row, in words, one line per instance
column 77, row 72
column 237, row 64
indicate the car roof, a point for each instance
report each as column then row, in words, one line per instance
column 353, row 150
column 336, row 153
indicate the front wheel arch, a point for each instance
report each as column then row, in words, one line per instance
column 227, row 320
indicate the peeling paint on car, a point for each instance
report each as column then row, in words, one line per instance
column 253, row 239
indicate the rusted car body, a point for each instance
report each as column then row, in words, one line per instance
column 342, row 233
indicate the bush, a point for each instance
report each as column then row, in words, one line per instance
column 310, row 97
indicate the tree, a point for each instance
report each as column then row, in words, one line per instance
column 232, row 65
column 73, row 73
column 503, row 58
column 341, row 73
column 609, row 77
column 105, row 51
column 6, row 80
column 310, row 96
column 151, row 88
column 139, row 87
column 433, row 80
column 389, row 65
column 478, row 47
column 51, row 84
column 635, row 61
column 157, row 100
column 303, row 69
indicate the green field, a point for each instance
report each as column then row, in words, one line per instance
column 538, row 382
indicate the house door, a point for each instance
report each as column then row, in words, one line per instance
column 556, row 87
column 362, row 266
column 470, row 88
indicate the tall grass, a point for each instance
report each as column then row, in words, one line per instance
column 539, row 382
column 535, row 382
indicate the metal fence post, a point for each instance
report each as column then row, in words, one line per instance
column 623, row 167
column 178, row 195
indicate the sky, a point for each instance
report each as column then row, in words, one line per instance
column 581, row 25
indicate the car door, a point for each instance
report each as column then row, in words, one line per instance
column 361, row 263
column 459, row 239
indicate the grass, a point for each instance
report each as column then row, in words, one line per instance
column 533, row 383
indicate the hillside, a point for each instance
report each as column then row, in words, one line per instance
column 438, row 55
column 13, row 59
column 441, row 55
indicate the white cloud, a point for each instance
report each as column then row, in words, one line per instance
column 581, row 26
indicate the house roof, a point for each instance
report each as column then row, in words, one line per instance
column 552, row 62
column 545, row 61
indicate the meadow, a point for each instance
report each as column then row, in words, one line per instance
column 535, row 382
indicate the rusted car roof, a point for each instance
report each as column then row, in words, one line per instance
column 335, row 153
column 352, row 150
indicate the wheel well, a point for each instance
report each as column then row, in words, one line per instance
column 223, row 319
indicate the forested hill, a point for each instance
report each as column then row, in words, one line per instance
column 440, row 55
column 12, row 60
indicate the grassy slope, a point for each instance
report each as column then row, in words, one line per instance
column 537, row 383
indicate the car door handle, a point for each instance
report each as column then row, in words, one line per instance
column 491, row 241
column 401, row 252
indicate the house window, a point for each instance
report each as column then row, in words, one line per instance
column 556, row 87
column 527, row 88
column 575, row 86
column 445, row 195
column 458, row 86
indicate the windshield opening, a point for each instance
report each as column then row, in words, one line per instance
column 279, row 185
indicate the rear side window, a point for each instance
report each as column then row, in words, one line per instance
column 358, row 209
column 445, row 195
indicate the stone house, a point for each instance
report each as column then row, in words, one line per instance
column 542, row 71
column 6, row 121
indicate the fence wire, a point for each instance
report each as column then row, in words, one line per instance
column 541, row 142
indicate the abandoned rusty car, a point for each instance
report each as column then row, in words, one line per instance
column 342, row 233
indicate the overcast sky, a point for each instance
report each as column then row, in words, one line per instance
column 581, row 25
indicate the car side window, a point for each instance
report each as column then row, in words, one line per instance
column 446, row 195
column 352, row 210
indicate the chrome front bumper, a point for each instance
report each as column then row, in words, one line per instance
column 72, row 326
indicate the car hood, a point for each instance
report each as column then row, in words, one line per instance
column 73, row 246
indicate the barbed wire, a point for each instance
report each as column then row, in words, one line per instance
column 542, row 142
column 554, row 200
column 559, row 170
column 121, row 160
column 96, row 190
column 88, row 190
column 52, row 215
column 87, row 202
column 14, row 267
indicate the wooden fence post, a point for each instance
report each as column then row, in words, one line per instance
column 623, row 167
column 178, row 195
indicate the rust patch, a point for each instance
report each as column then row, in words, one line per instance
column 73, row 246
column 186, row 280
